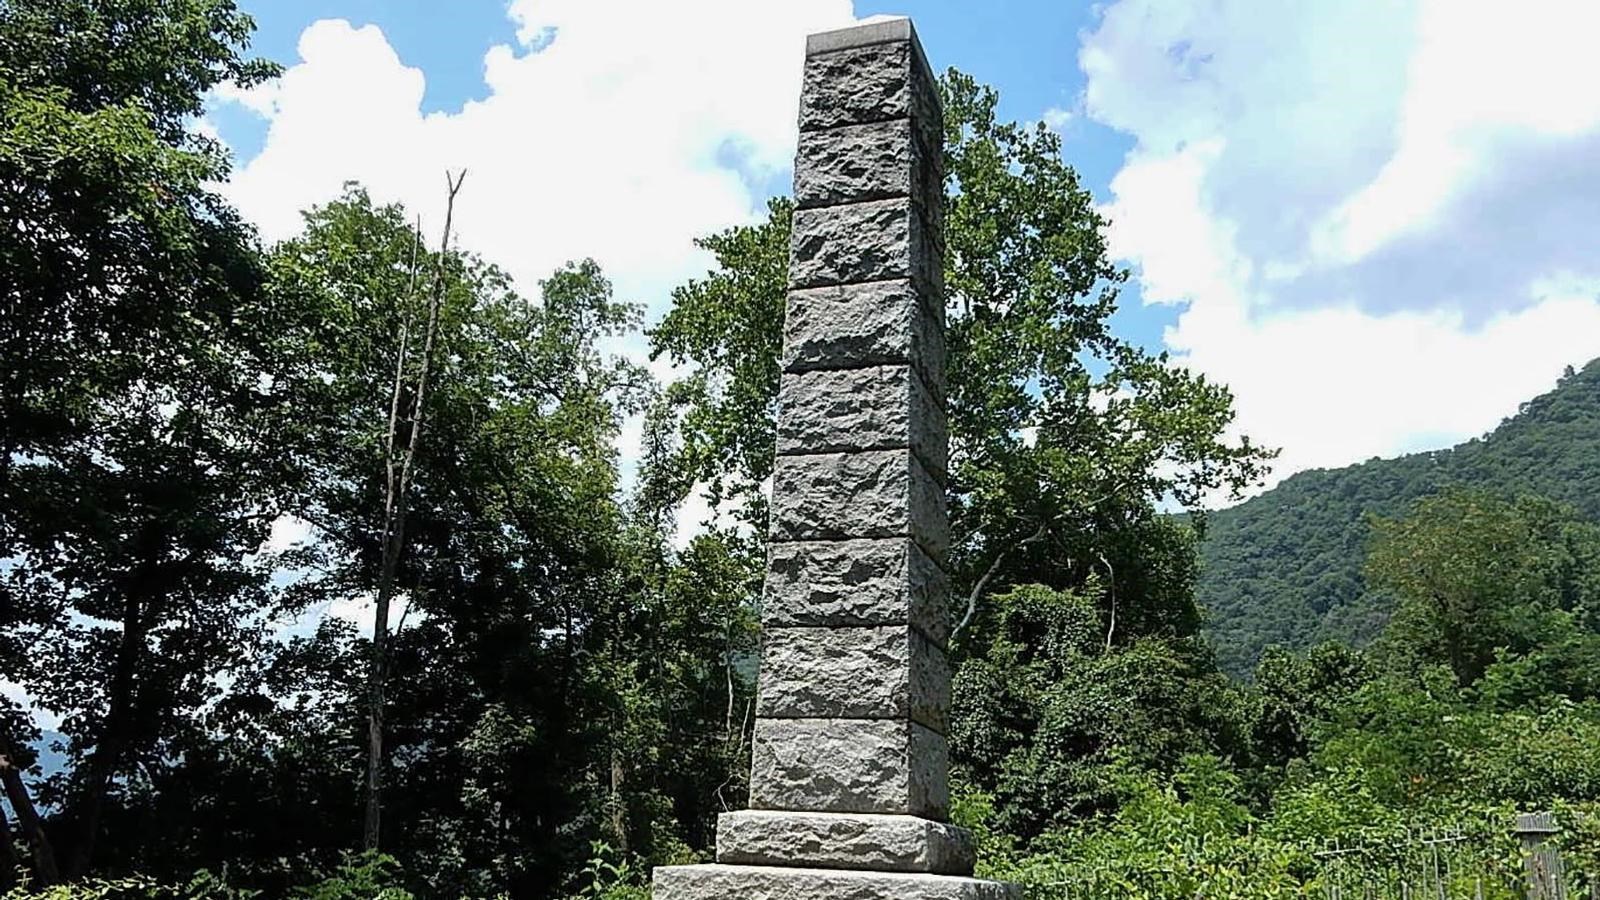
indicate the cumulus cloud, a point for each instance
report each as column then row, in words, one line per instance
column 613, row 129
column 1376, row 216
column 618, row 129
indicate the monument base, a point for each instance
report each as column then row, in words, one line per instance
column 874, row 843
column 722, row 882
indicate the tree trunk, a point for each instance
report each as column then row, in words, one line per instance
column 9, row 861
column 619, row 804
column 113, row 738
column 44, row 857
column 397, row 483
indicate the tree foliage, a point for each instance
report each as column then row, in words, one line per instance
column 1064, row 436
column 1287, row 567
column 138, row 461
column 1050, row 719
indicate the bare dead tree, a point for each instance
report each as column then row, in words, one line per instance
column 398, row 473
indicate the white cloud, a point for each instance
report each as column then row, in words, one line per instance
column 636, row 127
column 287, row 532
column 1378, row 215
column 617, row 129
column 696, row 515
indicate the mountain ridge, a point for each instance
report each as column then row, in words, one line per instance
column 1284, row 567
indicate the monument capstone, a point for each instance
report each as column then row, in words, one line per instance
column 849, row 794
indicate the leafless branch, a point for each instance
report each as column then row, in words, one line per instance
column 1111, row 591
column 977, row 589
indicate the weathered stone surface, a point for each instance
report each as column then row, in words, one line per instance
column 875, row 408
column 865, row 162
column 874, row 672
column 853, row 85
column 722, row 882
column 873, row 493
column 873, row 241
column 892, row 766
column 850, row 85
column 858, row 582
column 878, row 323
column 843, row 841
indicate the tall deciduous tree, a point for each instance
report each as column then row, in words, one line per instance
column 408, row 418
column 1063, row 434
column 516, row 588
column 137, row 467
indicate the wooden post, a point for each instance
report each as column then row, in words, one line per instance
column 1541, row 861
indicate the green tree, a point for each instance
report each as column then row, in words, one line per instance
column 1299, row 693
column 511, row 535
column 676, row 663
column 138, row 463
column 1475, row 575
column 1049, row 719
column 115, row 251
column 1063, row 435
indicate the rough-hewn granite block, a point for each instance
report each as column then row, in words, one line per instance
column 872, row 241
column 872, row 494
column 874, row 161
column 843, row 841
column 857, row 84
column 877, row 323
column 849, row 85
column 882, row 581
column 721, row 882
column 892, row 766
column 875, row 408
column 873, row 672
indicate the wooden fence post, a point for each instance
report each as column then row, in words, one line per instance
column 1541, row 861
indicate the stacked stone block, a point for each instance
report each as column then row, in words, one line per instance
column 849, row 784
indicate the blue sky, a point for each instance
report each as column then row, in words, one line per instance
column 1023, row 45
column 1020, row 46
column 1373, row 219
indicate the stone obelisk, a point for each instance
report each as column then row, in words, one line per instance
column 849, row 785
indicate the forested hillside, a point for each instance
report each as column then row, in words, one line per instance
column 1286, row 567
